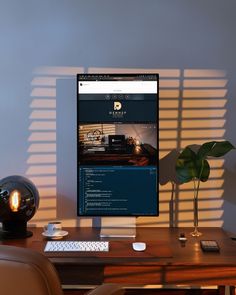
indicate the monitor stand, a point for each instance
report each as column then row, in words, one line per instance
column 116, row 227
column 118, row 232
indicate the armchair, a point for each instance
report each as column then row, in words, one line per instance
column 26, row 272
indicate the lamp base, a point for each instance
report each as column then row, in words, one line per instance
column 14, row 230
column 196, row 233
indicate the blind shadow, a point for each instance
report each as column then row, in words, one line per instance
column 192, row 110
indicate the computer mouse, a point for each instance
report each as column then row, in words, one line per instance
column 139, row 246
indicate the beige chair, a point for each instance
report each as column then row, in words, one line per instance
column 26, row 272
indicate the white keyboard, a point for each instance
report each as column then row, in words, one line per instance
column 74, row 246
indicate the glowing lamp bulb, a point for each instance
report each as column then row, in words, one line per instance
column 137, row 142
column 14, row 201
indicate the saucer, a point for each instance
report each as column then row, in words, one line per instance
column 57, row 235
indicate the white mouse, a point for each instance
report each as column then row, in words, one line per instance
column 139, row 246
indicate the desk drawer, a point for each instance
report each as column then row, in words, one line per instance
column 140, row 275
column 80, row 274
column 171, row 275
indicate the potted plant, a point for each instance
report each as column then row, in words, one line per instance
column 192, row 165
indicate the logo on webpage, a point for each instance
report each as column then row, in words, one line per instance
column 118, row 111
column 117, row 106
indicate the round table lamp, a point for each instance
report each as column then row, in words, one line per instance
column 19, row 200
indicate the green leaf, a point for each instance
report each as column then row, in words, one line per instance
column 185, row 166
column 205, row 149
column 193, row 165
column 187, row 154
column 189, row 166
column 203, row 172
column 214, row 149
column 220, row 149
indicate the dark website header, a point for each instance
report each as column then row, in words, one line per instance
column 118, row 77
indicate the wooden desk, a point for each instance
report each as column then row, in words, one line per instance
column 165, row 262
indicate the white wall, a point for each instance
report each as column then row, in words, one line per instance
column 76, row 35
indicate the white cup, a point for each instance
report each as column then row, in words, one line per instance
column 53, row 227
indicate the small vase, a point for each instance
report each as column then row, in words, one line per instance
column 195, row 233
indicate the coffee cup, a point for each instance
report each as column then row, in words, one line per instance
column 53, row 227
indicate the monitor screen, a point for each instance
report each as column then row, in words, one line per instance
column 117, row 138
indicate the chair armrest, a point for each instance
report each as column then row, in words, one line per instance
column 108, row 289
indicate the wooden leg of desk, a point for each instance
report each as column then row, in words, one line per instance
column 230, row 290
column 221, row 290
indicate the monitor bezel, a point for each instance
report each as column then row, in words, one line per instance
column 77, row 140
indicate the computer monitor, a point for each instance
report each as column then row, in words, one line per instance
column 117, row 136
